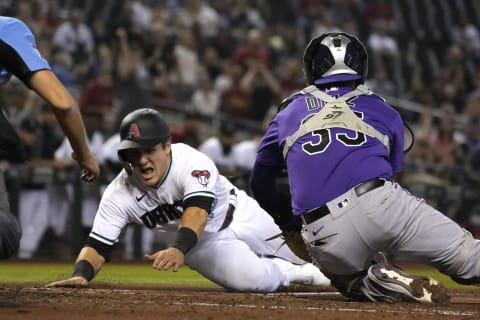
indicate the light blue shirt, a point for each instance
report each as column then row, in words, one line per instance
column 18, row 50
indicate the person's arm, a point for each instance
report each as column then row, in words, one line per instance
column 263, row 184
column 191, row 228
column 47, row 85
column 88, row 264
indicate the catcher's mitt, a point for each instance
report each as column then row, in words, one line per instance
column 294, row 241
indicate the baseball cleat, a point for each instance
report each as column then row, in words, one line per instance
column 312, row 276
column 398, row 284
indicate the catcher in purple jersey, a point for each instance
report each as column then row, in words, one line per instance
column 342, row 145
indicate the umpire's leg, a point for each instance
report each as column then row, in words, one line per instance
column 10, row 230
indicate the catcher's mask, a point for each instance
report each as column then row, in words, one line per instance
column 142, row 128
column 335, row 57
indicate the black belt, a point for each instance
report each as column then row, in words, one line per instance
column 320, row 212
column 229, row 214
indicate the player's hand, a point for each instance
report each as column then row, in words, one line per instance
column 90, row 167
column 73, row 282
column 166, row 259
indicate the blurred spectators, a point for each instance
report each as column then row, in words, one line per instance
column 200, row 16
column 446, row 149
column 381, row 83
column 62, row 65
column 455, row 78
column 263, row 89
column 254, row 52
column 467, row 35
column 89, row 193
column 190, row 131
column 381, row 11
column 75, row 37
column 235, row 100
column 325, row 23
column 384, row 49
column 219, row 148
column 41, row 205
column 186, row 65
column 205, row 100
column 97, row 96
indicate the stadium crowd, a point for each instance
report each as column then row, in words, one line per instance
column 217, row 69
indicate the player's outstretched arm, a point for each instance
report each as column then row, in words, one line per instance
column 47, row 85
column 190, row 230
column 88, row 264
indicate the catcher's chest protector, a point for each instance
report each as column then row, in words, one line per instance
column 335, row 113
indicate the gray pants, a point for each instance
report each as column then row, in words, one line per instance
column 392, row 220
column 10, row 230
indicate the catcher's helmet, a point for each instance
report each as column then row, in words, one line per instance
column 142, row 128
column 335, row 57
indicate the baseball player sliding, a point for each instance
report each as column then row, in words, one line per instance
column 220, row 231
column 342, row 145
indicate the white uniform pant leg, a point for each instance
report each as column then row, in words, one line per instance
column 253, row 225
column 229, row 262
column 33, row 214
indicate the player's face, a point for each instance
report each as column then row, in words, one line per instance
column 150, row 164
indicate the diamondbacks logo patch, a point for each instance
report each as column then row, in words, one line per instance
column 133, row 132
column 203, row 176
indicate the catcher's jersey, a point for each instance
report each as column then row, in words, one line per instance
column 191, row 173
column 18, row 51
column 326, row 163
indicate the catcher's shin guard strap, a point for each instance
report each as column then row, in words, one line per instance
column 186, row 239
column 83, row 268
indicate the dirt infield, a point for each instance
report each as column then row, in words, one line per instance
column 102, row 302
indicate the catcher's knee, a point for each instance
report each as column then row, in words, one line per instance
column 462, row 257
column 349, row 285
column 464, row 254
column 10, row 234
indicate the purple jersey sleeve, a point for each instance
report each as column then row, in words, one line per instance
column 326, row 163
column 18, row 51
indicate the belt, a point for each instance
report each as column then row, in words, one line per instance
column 320, row 212
column 229, row 214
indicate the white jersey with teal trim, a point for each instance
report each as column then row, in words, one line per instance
column 125, row 200
column 235, row 255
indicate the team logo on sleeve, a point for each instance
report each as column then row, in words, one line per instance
column 202, row 176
